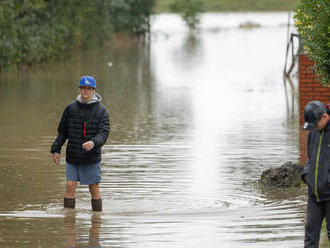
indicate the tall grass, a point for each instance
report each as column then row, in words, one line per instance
column 236, row 5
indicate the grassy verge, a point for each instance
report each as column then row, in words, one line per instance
column 236, row 5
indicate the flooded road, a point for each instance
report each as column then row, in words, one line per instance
column 195, row 118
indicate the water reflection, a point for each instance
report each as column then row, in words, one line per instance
column 70, row 232
column 73, row 239
column 190, row 54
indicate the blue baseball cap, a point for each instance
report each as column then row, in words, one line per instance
column 87, row 81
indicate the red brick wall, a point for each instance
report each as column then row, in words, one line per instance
column 309, row 89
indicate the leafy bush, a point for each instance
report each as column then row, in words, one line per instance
column 37, row 30
column 189, row 10
column 131, row 16
column 313, row 22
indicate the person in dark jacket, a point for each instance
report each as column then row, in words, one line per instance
column 85, row 124
column 316, row 173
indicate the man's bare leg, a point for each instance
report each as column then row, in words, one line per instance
column 95, row 191
column 70, row 200
column 96, row 197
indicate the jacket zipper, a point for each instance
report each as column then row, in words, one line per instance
column 317, row 166
column 85, row 129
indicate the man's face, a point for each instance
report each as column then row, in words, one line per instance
column 322, row 122
column 86, row 92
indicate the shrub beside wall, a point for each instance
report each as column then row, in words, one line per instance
column 313, row 22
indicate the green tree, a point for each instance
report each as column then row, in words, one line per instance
column 37, row 30
column 131, row 16
column 189, row 10
column 313, row 23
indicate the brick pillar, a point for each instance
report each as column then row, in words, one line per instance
column 309, row 89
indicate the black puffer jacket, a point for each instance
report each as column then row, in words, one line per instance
column 81, row 123
column 317, row 170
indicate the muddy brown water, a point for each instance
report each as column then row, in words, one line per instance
column 195, row 117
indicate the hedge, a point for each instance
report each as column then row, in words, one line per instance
column 37, row 30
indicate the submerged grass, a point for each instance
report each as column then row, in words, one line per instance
column 258, row 184
column 236, row 5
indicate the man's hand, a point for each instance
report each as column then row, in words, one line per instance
column 87, row 146
column 56, row 158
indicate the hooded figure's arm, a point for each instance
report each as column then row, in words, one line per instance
column 307, row 166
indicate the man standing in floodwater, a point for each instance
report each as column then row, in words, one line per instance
column 85, row 123
column 316, row 173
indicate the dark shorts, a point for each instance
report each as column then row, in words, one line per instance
column 86, row 174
